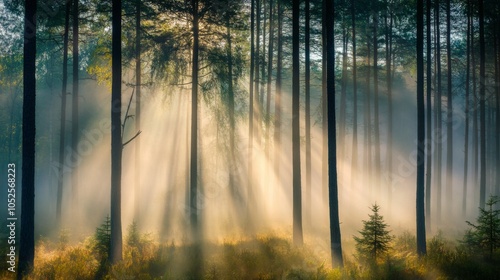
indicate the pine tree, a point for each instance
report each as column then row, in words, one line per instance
column 375, row 238
column 103, row 238
column 486, row 234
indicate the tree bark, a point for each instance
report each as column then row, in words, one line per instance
column 277, row 96
column 335, row 237
column 138, row 81
column 439, row 135
column 232, row 121
column 343, row 92
column 308, row 110
column 449, row 117
column 269, row 79
column 62, row 135
column 27, row 235
column 75, row 133
column 115, row 254
column 467, row 94
column 376, row 120
column 194, row 126
column 257, row 74
column 367, row 118
column 482, row 108
column 354, row 163
column 297, row 189
column 429, row 120
column 251, row 109
column 421, row 246
column 388, row 47
column 324, row 120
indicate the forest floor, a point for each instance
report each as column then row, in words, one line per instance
column 260, row 257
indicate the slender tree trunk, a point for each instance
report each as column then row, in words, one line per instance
column 367, row 117
column 277, row 96
column 354, row 163
column 439, row 130
column 449, row 117
column 308, row 111
column 138, row 81
column 467, row 94
column 232, row 121
column 388, row 46
column 115, row 254
column 251, row 110
column 421, row 246
column 269, row 79
column 263, row 62
column 194, row 127
column 297, row 190
column 27, row 235
column 376, row 98
column 482, row 108
column 62, row 135
column 74, row 111
column 324, row 124
column 335, row 237
column 497, row 89
column 475, row 128
column 429, row 121
column 257, row 74
column 343, row 93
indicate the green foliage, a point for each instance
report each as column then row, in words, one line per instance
column 485, row 235
column 102, row 238
column 375, row 238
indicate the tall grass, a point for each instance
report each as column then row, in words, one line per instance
column 262, row 257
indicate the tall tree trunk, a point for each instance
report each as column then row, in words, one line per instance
column 194, row 126
column 269, row 79
column 263, row 62
column 421, row 246
column 257, row 74
column 335, row 238
column 449, row 117
column 367, row 117
column 62, row 135
column 308, row 111
column 232, row 121
column 388, row 47
column 439, row 130
column 115, row 253
column 354, row 163
column 475, row 128
column 27, row 236
column 497, row 89
column 251, row 109
column 277, row 96
column 467, row 94
column 75, row 133
column 343, row 93
column 138, row 81
column 376, row 121
column 324, row 120
column 429, row 120
column 297, row 190
column 482, row 108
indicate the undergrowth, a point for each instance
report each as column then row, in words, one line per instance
column 263, row 257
